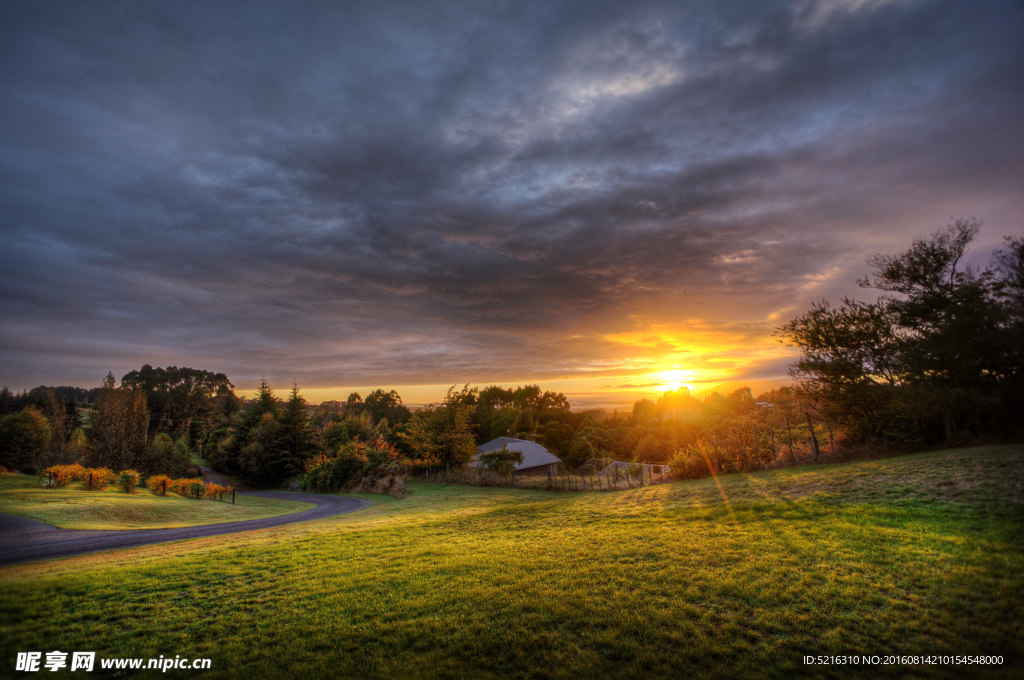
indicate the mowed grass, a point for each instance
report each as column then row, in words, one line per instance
column 76, row 508
column 738, row 578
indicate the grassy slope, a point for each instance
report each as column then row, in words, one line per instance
column 921, row 554
column 74, row 508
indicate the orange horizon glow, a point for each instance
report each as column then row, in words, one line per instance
column 641, row 363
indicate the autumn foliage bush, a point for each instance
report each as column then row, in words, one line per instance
column 155, row 483
column 62, row 475
column 97, row 479
column 91, row 478
column 216, row 490
column 190, row 487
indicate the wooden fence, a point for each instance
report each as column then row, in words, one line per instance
column 613, row 481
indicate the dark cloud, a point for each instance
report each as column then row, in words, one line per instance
column 425, row 193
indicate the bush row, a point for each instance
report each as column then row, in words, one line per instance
column 194, row 487
column 94, row 478
column 128, row 480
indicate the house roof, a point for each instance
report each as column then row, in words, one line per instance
column 533, row 453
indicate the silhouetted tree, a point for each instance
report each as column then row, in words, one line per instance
column 931, row 360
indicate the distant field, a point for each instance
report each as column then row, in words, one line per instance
column 75, row 508
column 916, row 555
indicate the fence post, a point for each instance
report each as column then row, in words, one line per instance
column 165, row 487
column 90, row 481
column 232, row 496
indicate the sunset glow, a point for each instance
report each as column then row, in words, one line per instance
column 673, row 379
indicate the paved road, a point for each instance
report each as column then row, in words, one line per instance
column 26, row 540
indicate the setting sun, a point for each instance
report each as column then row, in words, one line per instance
column 673, row 379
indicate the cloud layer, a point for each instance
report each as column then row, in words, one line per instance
column 428, row 193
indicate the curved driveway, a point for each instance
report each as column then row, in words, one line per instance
column 25, row 540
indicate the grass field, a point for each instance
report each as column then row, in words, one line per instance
column 917, row 555
column 75, row 508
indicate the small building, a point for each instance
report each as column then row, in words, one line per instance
column 536, row 459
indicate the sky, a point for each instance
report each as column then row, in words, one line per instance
column 608, row 199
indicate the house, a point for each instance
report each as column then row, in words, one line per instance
column 536, row 459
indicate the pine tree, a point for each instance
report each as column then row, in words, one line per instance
column 294, row 438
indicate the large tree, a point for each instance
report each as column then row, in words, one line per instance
column 23, row 439
column 295, row 438
column 226, row 448
column 119, row 427
column 387, row 406
column 180, row 398
column 930, row 359
column 441, row 436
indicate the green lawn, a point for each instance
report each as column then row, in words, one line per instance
column 915, row 555
column 75, row 508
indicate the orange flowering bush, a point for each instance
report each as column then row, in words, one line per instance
column 193, row 487
column 216, row 490
column 62, row 475
column 98, row 478
column 155, row 483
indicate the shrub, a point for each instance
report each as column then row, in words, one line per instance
column 333, row 474
column 690, row 462
column 128, row 480
column 62, row 475
column 196, row 488
column 193, row 487
column 216, row 490
column 98, row 478
column 354, row 462
column 155, row 483
column 316, row 462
